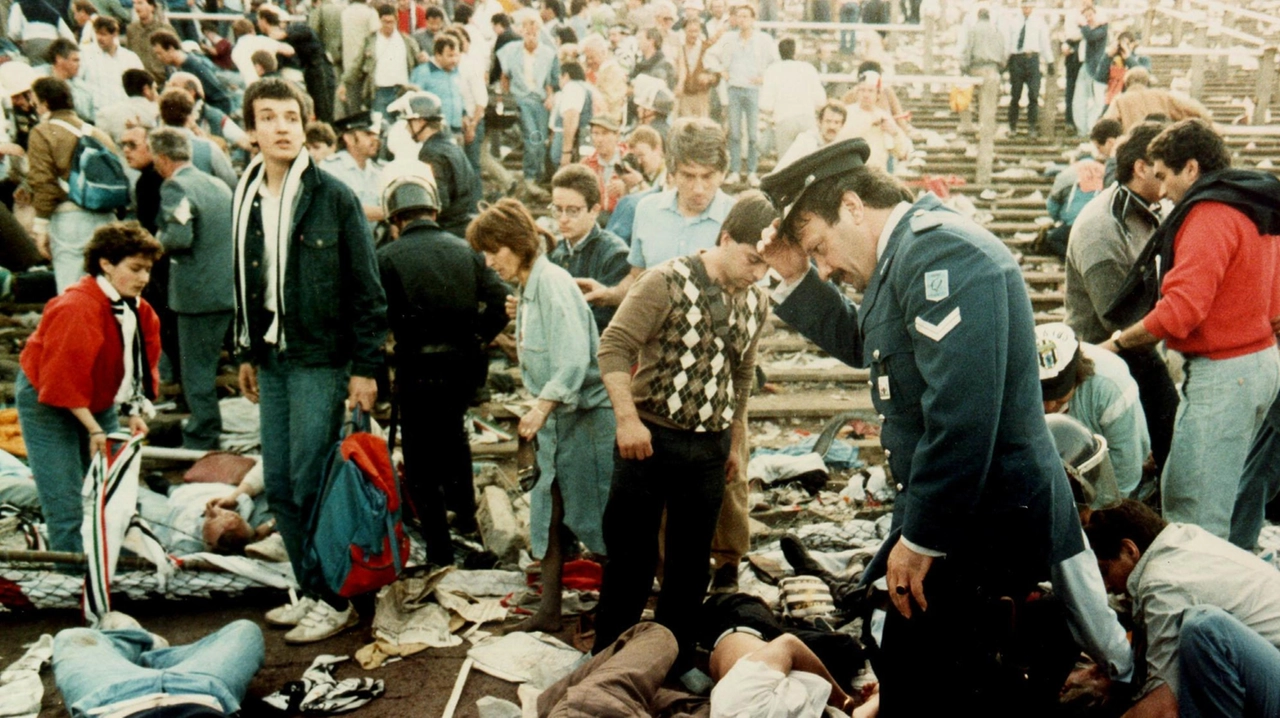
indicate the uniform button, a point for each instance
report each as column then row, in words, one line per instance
column 900, row 487
column 880, row 416
column 870, row 383
column 255, row 264
column 887, row 453
column 876, row 355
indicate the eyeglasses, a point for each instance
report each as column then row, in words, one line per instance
column 570, row 212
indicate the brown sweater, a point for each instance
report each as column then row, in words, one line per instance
column 1132, row 106
column 686, row 348
column 49, row 152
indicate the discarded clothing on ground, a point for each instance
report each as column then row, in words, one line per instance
column 21, row 691
column 842, row 455
column 319, row 693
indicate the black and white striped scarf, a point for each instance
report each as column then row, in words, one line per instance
column 136, row 391
column 246, row 191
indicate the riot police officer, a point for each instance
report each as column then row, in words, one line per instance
column 443, row 307
column 458, row 183
column 946, row 328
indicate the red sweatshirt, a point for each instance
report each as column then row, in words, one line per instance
column 1224, row 287
column 76, row 356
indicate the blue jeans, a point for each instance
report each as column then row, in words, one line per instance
column 475, row 147
column 1225, row 668
column 301, row 410
column 58, row 453
column 383, row 96
column 744, row 107
column 533, row 128
column 98, row 668
column 69, row 232
column 1259, row 484
column 1223, row 404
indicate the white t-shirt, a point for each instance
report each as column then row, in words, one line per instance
column 391, row 66
column 572, row 96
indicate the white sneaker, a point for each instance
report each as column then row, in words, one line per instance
column 291, row 613
column 733, row 178
column 118, row 621
column 753, row 179
column 321, row 622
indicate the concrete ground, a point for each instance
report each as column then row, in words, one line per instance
column 417, row 686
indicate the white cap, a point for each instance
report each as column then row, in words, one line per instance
column 17, row 77
column 1056, row 346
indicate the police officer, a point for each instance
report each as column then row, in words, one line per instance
column 946, row 328
column 355, row 163
column 458, row 182
column 443, row 306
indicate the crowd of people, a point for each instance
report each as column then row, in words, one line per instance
column 303, row 192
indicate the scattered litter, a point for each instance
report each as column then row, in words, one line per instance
column 490, row 707
column 319, row 693
column 808, row 468
column 520, row 657
column 841, row 455
column 21, row 690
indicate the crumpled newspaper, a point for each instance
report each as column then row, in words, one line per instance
column 534, row 658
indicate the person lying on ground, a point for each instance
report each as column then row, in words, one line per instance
column 17, row 486
column 119, row 669
column 209, row 516
column 779, row 678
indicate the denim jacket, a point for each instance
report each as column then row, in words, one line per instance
column 558, row 340
column 335, row 309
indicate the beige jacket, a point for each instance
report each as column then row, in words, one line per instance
column 49, row 151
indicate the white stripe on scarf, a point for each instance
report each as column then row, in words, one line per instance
column 246, row 191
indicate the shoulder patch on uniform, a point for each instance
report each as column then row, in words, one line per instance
column 937, row 285
column 182, row 213
column 924, row 220
column 937, row 331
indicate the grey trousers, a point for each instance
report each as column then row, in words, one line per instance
column 200, row 338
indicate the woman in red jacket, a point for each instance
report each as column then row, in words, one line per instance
column 92, row 359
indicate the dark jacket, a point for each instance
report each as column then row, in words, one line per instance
column 947, row 329
column 602, row 256
column 1254, row 193
column 215, row 93
column 335, row 309
column 459, row 184
column 439, row 293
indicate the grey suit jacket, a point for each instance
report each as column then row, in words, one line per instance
column 194, row 225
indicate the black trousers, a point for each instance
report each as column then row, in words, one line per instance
column 1024, row 71
column 433, row 397
column 959, row 652
column 685, row 475
column 1159, row 398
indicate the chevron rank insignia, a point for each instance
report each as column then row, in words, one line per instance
column 937, row 331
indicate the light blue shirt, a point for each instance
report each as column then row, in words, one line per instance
column 443, row 84
column 364, row 182
column 1107, row 403
column 546, row 69
column 661, row 232
column 746, row 60
column 558, row 340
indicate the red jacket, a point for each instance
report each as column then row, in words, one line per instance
column 592, row 161
column 1223, row 290
column 76, row 357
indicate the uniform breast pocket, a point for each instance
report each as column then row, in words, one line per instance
column 896, row 384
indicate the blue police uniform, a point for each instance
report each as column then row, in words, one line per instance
column 364, row 182
column 947, row 330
